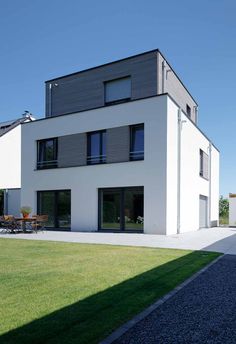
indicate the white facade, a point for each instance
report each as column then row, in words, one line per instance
column 232, row 210
column 10, row 171
column 169, row 172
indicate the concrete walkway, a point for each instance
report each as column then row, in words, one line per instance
column 219, row 239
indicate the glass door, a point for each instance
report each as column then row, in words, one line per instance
column 121, row 209
column 1, row 202
column 57, row 205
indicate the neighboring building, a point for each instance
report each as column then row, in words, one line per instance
column 10, row 166
column 120, row 149
column 232, row 210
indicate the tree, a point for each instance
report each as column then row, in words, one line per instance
column 224, row 207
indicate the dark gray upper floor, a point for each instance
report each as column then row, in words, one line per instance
column 132, row 78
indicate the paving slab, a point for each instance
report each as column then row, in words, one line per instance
column 201, row 312
column 220, row 239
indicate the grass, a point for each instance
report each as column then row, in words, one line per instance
column 69, row 293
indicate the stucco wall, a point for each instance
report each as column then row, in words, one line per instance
column 192, row 185
column 10, row 155
column 232, row 211
column 84, row 181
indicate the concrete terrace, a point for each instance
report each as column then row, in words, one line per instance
column 219, row 239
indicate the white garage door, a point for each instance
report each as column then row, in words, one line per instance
column 203, row 205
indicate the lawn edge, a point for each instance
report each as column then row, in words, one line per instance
column 137, row 318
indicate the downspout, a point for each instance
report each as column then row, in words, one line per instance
column 209, row 197
column 6, row 202
column 179, row 156
column 50, row 100
column 163, row 76
column 179, row 170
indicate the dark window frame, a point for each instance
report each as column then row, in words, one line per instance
column 121, row 100
column 122, row 208
column 188, row 110
column 56, row 193
column 41, row 165
column 101, row 158
column 135, row 156
column 201, row 163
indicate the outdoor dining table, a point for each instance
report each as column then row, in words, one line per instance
column 25, row 220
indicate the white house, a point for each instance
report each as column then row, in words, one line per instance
column 120, row 150
column 10, row 166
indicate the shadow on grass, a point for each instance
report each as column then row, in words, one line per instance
column 95, row 317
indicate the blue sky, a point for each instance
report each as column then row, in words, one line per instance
column 43, row 39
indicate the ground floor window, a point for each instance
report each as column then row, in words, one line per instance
column 1, row 202
column 121, row 208
column 57, row 205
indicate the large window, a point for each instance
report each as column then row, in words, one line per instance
column 47, row 153
column 137, row 142
column 57, row 205
column 96, row 144
column 117, row 90
column 121, row 209
column 203, row 165
column 1, row 202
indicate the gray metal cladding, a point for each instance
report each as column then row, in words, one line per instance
column 72, row 150
column 118, row 144
column 85, row 90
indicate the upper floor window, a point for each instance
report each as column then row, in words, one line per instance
column 96, row 147
column 203, row 164
column 117, row 90
column 47, row 153
column 188, row 110
column 137, row 142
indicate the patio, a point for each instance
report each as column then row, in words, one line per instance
column 219, row 239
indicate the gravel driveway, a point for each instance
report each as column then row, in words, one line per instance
column 202, row 312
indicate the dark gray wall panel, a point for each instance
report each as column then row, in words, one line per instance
column 118, row 142
column 85, row 90
column 175, row 88
column 72, row 150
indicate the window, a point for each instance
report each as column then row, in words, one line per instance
column 57, row 205
column 96, row 153
column 117, row 90
column 121, row 209
column 188, row 110
column 137, row 142
column 203, row 164
column 47, row 153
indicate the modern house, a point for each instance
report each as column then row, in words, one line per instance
column 10, row 166
column 120, row 150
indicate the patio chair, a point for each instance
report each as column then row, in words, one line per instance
column 40, row 222
column 10, row 224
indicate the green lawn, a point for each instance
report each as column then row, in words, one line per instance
column 54, row 293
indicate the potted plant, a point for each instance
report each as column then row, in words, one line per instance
column 25, row 211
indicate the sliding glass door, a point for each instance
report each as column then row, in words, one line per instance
column 121, row 209
column 57, row 205
column 1, row 202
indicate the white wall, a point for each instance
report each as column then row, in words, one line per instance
column 84, row 181
column 10, row 155
column 13, row 199
column 192, row 184
column 157, row 173
column 232, row 211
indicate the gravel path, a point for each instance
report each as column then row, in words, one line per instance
column 202, row 312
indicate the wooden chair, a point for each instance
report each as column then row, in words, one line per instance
column 10, row 224
column 39, row 224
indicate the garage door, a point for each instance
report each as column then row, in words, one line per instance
column 203, row 202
